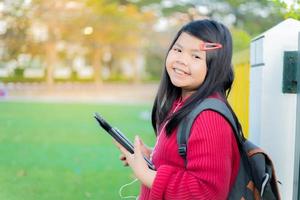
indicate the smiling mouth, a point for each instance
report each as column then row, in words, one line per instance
column 180, row 72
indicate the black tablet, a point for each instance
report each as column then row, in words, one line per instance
column 119, row 137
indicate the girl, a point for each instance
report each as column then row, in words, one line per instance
column 197, row 66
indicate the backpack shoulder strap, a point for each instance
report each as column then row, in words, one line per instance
column 185, row 125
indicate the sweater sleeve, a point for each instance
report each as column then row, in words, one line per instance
column 209, row 163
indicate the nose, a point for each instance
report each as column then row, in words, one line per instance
column 182, row 59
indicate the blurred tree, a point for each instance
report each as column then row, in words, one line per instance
column 241, row 39
column 49, row 19
column 291, row 11
column 253, row 16
column 107, row 31
column 103, row 27
column 117, row 31
column 15, row 22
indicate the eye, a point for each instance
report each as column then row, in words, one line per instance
column 196, row 56
column 177, row 49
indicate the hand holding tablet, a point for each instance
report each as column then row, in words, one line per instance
column 119, row 137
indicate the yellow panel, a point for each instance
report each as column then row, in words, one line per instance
column 239, row 96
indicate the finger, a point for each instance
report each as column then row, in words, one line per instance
column 121, row 148
column 124, row 160
column 141, row 142
column 142, row 145
column 124, row 151
column 125, row 164
column 117, row 143
column 122, row 157
column 137, row 146
column 144, row 148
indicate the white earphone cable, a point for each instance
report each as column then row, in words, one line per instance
column 123, row 186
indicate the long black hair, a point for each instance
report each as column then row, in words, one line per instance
column 219, row 77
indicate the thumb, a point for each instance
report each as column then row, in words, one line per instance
column 141, row 142
column 137, row 146
column 144, row 148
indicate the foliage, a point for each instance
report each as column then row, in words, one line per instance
column 241, row 39
column 122, row 29
column 154, row 65
column 292, row 11
column 15, row 34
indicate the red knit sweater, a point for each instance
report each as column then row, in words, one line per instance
column 212, row 162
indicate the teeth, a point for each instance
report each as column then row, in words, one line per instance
column 178, row 71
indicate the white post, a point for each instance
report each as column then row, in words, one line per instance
column 274, row 115
column 296, row 195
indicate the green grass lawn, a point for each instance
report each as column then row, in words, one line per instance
column 58, row 151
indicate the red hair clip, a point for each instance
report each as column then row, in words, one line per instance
column 206, row 46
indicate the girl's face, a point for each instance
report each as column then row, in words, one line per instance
column 186, row 64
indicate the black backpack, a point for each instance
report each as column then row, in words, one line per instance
column 256, row 176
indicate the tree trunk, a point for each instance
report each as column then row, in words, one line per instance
column 138, row 65
column 51, row 58
column 97, row 66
